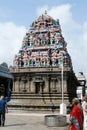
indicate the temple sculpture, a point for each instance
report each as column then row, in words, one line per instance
column 37, row 68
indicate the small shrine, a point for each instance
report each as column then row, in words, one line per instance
column 38, row 65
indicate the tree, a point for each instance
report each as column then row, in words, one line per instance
column 4, row 64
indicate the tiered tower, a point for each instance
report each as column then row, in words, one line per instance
column 43, row 45
column 37, row 67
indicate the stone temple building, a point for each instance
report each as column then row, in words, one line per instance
column 42, row 68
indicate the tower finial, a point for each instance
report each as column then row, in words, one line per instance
column 45, row 12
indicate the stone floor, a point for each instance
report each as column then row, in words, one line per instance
column 27, row 121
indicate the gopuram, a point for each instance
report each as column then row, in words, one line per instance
column 40, row 65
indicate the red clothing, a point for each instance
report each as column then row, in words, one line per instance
column 76, row 118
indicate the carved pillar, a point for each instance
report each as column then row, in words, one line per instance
column 32, row 87
column 41, row 87
column 26, row 82
column 65, row 85
column 46, row 90
column 13, row 89
column 59, row 85
column 24, row 89
column 54, row 84
column 49, row 84
column 16, row 85
column 21, row 84
column 29, row 84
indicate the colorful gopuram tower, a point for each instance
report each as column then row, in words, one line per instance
column 37, row 68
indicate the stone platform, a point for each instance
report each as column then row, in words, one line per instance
column 40, row 102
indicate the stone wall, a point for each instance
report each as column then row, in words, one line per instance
column 41, row 88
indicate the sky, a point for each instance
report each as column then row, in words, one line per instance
column 16, row 16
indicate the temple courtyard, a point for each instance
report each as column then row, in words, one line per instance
column 19, row 120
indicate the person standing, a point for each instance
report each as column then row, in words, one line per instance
column 3, row 110
column 76, row 116
column 84, row 106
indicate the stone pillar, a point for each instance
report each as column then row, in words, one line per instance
column 49, row 84
column 59, row 85
column 32, row 87
column 41, row 87
column 28, row 84
column 52, row 85
column 65, row 85
column 46, row 90
column 21, row 85
column 24, row 89
column 13, row 86
column 16, row 85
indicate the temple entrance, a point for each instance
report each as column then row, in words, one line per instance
column 37, row 88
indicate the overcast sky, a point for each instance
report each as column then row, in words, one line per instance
column 16, row 17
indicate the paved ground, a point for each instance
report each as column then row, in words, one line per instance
column 27, row 121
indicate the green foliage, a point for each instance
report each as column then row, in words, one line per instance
column 4, row 64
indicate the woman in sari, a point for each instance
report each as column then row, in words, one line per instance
column 76, row 116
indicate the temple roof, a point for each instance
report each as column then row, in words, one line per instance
column 4, row 72
column 43, row 45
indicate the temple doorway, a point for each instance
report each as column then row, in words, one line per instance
column 37, row 88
